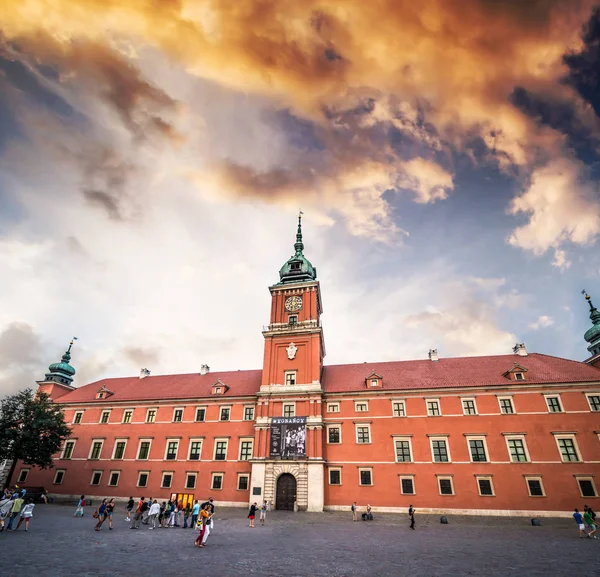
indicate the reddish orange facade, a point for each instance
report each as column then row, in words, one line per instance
column 516, row 433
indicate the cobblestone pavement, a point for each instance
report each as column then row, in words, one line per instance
column 311, row 544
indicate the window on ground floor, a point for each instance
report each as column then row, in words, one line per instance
column 587, row 487
column 113, row 480
column 243, row 482
column 23, row 475
column 365, row 476
column 535, row 486
column 407, row 485
column 96, row 477
column 485, row 486
column 59, row 476
column 335, row 476
column 446, row 486
column 217, row 481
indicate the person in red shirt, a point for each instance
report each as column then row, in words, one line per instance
column 139, row 513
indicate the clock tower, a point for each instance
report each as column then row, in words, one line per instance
column 291, row 389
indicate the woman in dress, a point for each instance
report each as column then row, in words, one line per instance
column 26, row 514
column 100, row 515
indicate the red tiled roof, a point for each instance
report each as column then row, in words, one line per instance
column 397, row 375
column 189, row 386
column 457, row 372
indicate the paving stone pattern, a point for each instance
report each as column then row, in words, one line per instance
column 295, row 544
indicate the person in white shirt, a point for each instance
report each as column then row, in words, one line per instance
column 26, row 514
column 153, row 514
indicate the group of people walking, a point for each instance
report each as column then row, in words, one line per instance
column 13, row 504
column 587, row 520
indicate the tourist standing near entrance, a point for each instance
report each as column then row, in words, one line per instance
column 252, row 514
column 411, row 514
column 354, row 516
column 263, row 512
column 195, row 513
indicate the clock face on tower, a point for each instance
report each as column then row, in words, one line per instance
column 293, row 304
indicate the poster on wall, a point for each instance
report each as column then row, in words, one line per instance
column 288, row 437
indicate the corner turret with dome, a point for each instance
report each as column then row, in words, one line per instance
column 592, row 335
column 62, row 372
column 297, row 268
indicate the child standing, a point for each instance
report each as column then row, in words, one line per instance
column 252, row 514
column 263, row 512
column 26, row 513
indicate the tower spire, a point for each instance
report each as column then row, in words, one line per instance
column 299, row 245
column 592, row 335
column 298, row 268
column 62, row 372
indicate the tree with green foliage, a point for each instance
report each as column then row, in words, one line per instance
column 32, row 429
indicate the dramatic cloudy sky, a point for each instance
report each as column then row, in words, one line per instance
column 154, row 154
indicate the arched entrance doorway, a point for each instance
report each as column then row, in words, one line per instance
column 286, row 492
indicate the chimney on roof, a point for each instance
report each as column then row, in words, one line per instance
column 204, row 369
column 520, row 349
column 433, row 355
column 144, row 373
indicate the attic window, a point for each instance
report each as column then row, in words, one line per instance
column 519, row 377
column 217, row 389
column 374, row 382
column 295, row 266
column 100, row 396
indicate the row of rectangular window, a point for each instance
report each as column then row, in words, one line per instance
column 506, row 405
column 243, row 479
column 224, row 415
column 440, row 451
column 485, row 485
column 143, row 453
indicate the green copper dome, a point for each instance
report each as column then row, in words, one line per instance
column 62, row 372
column 297, row 268
column 592, row 335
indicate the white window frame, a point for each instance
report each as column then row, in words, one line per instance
column 400, row 402
column 212, row 481
column 189, row 474
column 444, row 478
column 94, row 472
column 444, row 438
column 182, row 409
column 189, row 453
column 374, row 382
column 521, row 377
column 294, row 374
column 508, row 438
column 356, row 426
column 114, row 452
column 333, row 407
column 474, row 401
column 485, row 447
column 94, row 441
column 75, row 417
column 102, row 413
column 439, row 407
column 571, row 436
column 125, row 411
column 560, row 403
column 155, row 409
column 171, row 440
column 205, row 407
column 246, row 440
column 411, row 478
column 586, row 478
column 291, row 404
column 361, row 403
column 360, row 470
column 162, row 479
column 137, row 453
column 240, row 476
column 221, row 407
column 54, row 481
column 25, row 470
column 333, row 426
column 220, row 440
column 512, row 404
column 534, row 478
column 329, row 469
column 246, row 407
column 408, row 438
column 485, row 478
column 110, row 474
column 140, row 473
column 587, row 396
column 68, row 442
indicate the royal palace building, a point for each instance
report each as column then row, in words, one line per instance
column 511, row 434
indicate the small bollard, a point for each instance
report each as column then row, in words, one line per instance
column 443, row 520
column 536, row 522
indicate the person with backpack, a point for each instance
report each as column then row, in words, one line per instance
column 589, row 521
column 129, row 508
column 139, row 512
column 80, row 506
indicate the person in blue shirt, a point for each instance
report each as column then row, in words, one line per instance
column 195, row 513
column 579, row 520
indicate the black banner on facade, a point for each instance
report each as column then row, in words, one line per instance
column 288, row 437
